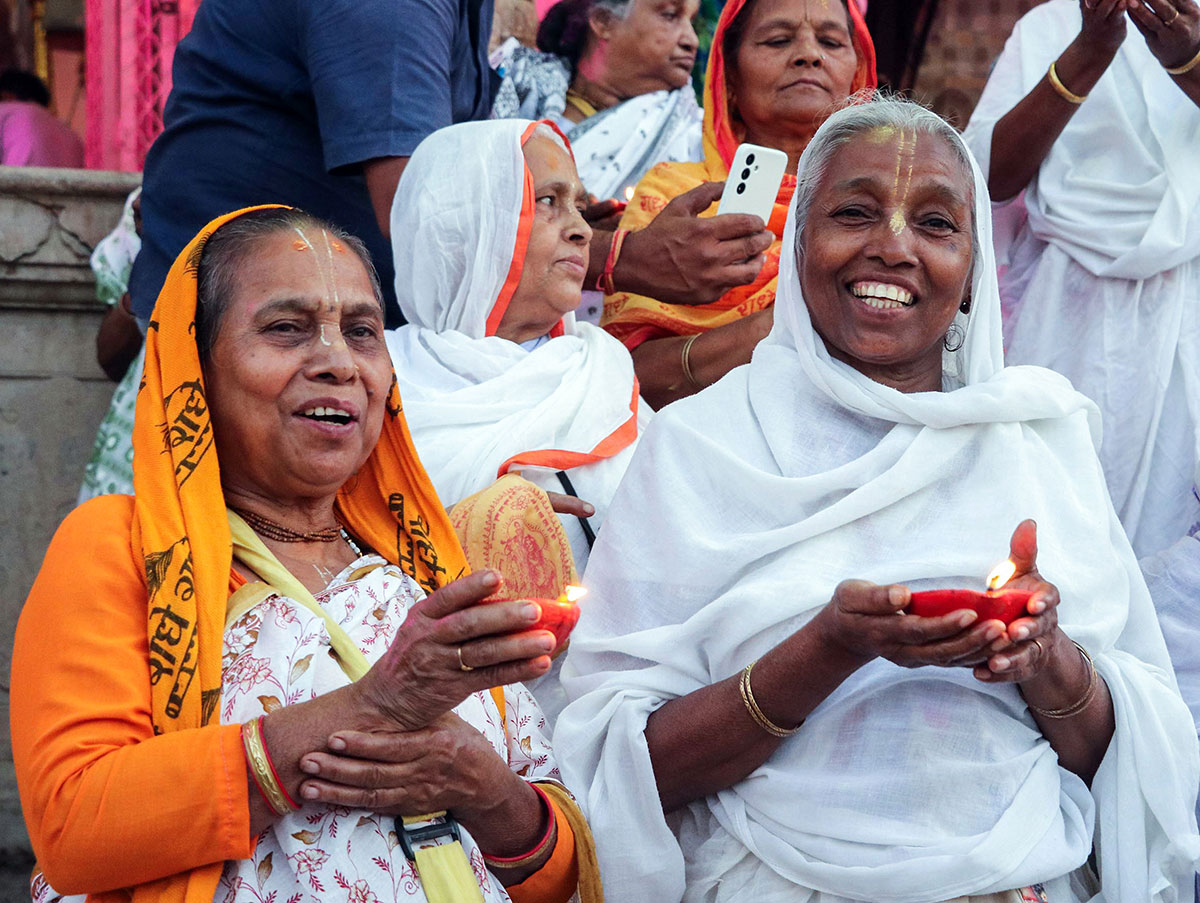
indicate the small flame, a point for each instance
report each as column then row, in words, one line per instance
column 628, row 193
column 1001, row 574
column 574, row 593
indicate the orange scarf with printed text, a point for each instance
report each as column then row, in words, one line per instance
column 181, row 532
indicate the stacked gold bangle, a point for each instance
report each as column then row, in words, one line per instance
column 1063, row 91
column 263, row 770
column 1080, row 704
column 756, row 713
column 1186, row 67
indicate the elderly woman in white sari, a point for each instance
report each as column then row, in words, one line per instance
column 496, row 375
column 1092, row 111
column 748, row 724
column 614, row 75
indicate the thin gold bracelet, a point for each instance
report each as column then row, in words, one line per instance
column 685, row 361
column 1186, row 67
column 756, row 713
column 1082, row 703
column 1063, row 91
column 260, row 769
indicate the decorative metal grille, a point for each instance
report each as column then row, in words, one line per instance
column 129, row 48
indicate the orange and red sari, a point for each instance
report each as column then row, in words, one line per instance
column 636, row 318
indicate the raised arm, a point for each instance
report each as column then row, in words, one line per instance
column 1172, row 32
column 1024, row 136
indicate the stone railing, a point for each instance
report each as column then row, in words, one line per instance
column 52, row 397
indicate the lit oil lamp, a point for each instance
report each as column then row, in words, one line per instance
column 559, row 616
column 996, row 604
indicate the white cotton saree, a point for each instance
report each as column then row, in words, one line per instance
column 1104, row 275
column 743, row 509
column 479, row 405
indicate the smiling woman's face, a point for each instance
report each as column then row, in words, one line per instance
column 299, row 371
column 556, row 257
column 887, row 254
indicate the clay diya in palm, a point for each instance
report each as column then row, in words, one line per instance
column 993, row 604
column 559, row 616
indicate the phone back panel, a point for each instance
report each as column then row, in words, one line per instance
column 754, row 179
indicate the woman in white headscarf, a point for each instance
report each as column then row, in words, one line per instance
column 807, row 740
column 1098, row 123
column 496, row 375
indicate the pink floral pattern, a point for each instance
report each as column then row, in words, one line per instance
column 278, row 654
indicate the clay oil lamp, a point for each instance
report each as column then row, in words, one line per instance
column 994, row 604
column 559, row 616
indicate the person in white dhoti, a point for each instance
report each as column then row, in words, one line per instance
column 1091, row 110
column 748, row 724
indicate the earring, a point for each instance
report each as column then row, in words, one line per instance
column 954, row 338
column 965, row 307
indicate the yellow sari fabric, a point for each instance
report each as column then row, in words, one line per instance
column 181, row 532
column 634, row 319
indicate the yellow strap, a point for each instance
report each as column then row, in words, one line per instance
column 445, row 873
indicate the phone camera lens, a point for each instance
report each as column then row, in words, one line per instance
column 749, row 159
column 741, row 188
column 746, row 173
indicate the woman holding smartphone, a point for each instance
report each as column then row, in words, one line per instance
column 777, row 69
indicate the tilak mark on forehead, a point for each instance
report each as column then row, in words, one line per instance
column 906, row 155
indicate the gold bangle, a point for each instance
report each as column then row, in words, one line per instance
column 261, row 771
column 756, row 713
column 1063, row 91
column 685, row 361
column 1186, row 67
column 1082, row 703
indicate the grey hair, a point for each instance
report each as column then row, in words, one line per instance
column 619, row 8
column 857, row 118
column 222, row 256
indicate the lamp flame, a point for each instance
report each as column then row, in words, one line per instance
column 628, row 193
column 574, row 593
column 1001, row 574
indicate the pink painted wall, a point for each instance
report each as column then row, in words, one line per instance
column 129, row 48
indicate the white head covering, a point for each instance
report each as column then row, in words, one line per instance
column 744, row 508
column 473, row 400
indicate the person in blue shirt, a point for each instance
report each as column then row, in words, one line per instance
column 315, row 105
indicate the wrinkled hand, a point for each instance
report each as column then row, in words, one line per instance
column 446, row 765
column 569, row 504
column 1174, row 44
column 866, row 620
column 682, row 258
column 1103, row 27
column 419, row 678
column 1029, row 642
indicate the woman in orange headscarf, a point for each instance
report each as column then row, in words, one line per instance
column 189, row 722
column 777, row 69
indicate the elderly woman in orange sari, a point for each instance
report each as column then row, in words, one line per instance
column 777, row 70
column 265, row 675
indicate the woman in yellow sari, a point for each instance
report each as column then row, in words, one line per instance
column 264, row 674
column 777, row 69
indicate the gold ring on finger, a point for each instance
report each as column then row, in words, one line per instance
column 463, row 666
column 1167, row 23
column 1041, row 650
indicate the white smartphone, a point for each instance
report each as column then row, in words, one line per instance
column 754, row 179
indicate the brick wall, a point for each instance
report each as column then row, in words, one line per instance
column 966, row 38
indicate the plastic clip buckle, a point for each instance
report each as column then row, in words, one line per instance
column 412, row 837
